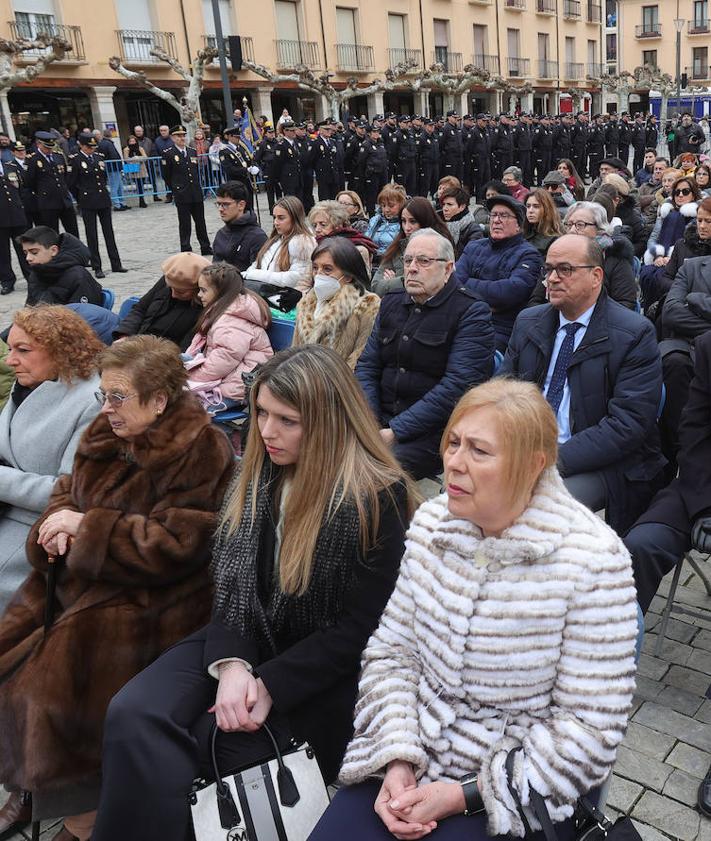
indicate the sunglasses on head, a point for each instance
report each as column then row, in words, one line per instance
column 683, row 191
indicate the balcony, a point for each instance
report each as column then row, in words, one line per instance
column 292, row 54
column 247, row 46
column 594, row 13
column 573, row 70
column 515, row 5
column 547, row 69
column 489, row 63
column 595, row 70
column 611, row 67
column 135, row 45
column 72, row 34
column 452, row 62
column 481, row 2
column 648, row 30
column 518, row 68
column 400, row 55
column 572, row 9
column 546, row 7
column 354, row 58
column 698, row 72
column 698, row 27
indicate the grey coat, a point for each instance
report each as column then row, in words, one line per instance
column 38, row 440
column 687, row 306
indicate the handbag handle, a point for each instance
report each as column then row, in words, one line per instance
column 288, row 790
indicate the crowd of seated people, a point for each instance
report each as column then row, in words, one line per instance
column 504, row 350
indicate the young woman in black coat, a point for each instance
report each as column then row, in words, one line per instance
column 304, row 562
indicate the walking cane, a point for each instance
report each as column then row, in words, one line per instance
column 51, row 591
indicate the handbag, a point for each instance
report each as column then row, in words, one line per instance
column 590, row 823
column 282, row 298
column 280, row 799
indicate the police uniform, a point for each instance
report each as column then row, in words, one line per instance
column 182, row 177
column 625, row 140
column 579, row 138
column 86, row 179
column 303, row 145
column 502, row 150
column 523, row 144
column 562, row 146
column 13, row 222
column 451, row 151
column 18, row 167
column 543, row 141
column 596, row 148
column 388, row 135
column 428, row 162
column 46, row 179
column 372, row 166
column 287, row 169
column 264, row 158
column 477, row 157
column 350, row 159
column 612, row 139
column 235, row 166
column 406, row 159
column 322, row 156
column 639, row 144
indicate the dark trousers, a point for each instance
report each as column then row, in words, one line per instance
column 156, row 741
column 429, row 179
column 196, row 211
column 7, row 275
column 407, row 176
column 581, row 163
column 655, row 549
column 544, row 165
column 678, row 370
column 525, row 162
column 612, row 151
column 308, row 192
column 594, row 159
column 52, row 218
column 273, row 192
column 638, row 162
column 371, row 190
column 327, row 189
column 350, row 817
column 625, row 153
column 89, row 218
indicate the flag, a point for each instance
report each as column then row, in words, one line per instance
column 249, row 131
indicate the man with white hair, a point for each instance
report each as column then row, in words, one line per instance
column 430, row 343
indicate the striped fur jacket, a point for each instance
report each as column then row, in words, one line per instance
column 489, row 644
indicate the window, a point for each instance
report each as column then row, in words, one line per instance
column 701, row 14
column 31, row 24
column 543, row 46
column 611, row 47
column 570, row 50
column 700, row 62
column 134, row 15
column 225, row 19
column 481, row 40
column 346, row 25
column 397, row 32
column 287, row 21
column 592, row 52
column 650, row 18
column 513, row 41
column 649, row 57
column 441, row 41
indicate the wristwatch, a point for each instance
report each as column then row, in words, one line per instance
column 472, row 796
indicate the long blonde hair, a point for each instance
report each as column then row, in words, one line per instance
column 342, row 458
column 299, row 227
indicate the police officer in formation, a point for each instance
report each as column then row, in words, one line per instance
column 639, row 142
column 46, row 177
column 428, row 160
column 307, row 171
column 86, row 179
column 264, row 156
column 477, row 155
column 13, row 222
column 543, row 143
column 523, row 148
column 406, row 154
column 179, row 166
column 287, row 168
column 323, row 156
column 596, row 145
column 236, row 161
column 372, row 167
column 351, row 153
column 451, row 147
column 18, row 166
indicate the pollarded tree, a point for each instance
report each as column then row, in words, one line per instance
column 12, row 51
column 187, row 105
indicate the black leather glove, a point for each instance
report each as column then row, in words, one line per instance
column 701, row 535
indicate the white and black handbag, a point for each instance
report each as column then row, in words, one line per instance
column 280, row 799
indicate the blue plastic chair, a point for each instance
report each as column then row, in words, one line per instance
column 498, row 361
column 281, row 334
column 127, row 306
column 662, row 401
column 108, row 298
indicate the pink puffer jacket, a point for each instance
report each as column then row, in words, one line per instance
column 237, row 342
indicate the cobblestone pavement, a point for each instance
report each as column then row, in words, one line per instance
column 667, row 749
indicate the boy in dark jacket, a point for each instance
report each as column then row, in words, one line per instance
column 57, row 263
column 239, row 241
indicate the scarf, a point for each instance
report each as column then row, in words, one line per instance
column 456, row 224
column 237, row 562
column 356, row 237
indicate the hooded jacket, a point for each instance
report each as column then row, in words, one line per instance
column 64, row 280
column 239, row 241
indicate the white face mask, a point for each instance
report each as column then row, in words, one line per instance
column 325, row 287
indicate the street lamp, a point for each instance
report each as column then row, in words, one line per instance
column 679, row 26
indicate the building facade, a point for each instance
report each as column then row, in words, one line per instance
column 552, row 49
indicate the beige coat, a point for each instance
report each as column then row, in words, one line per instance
column 142, row 172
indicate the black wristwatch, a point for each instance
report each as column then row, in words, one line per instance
column 472, row 796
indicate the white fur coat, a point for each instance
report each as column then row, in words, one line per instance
column 490, row 644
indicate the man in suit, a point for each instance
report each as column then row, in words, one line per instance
column 46, row 178
column 599, row 367
column 86, row 179
column 180, row 173
column 323, row 158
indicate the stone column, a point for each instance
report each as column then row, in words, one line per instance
column 375, row 104
column 527, row 102
column 262, row 103
column 5, row 116
column 422, row 103
column 101, row 99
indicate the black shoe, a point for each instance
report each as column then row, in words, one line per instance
column 123, row 207
column 705, row 794
column 142, row 203
column 119, row 270
column 157, row 198
column 6, row 289
column 99, row 274
column 206, row 252
column 15, row 815
column 169, row 200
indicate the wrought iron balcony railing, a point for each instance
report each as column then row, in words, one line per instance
column 31, row 31
column 487, row 62
column 291, row 54
column 452, row 61
column 399, row 55
column 547, row 69
column 246, row 41
column 648, row 30
column 357, row 58
column 519, row 67
column 135, row 45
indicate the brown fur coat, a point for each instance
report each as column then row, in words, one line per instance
column 135, row 582
column 344, row 324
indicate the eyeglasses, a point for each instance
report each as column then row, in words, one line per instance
column 502, row 216
column 552, row 186
column 225, row 203
column 578, row 226
column 115, row 400
column 563, row 270
column 683, row 191
column 422, row 261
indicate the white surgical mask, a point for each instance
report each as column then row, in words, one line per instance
column 325, row 287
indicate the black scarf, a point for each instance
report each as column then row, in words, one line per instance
column 279, row 619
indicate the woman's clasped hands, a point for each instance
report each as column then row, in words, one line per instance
column 56, row 531
column 411, row 811
column 243, row 701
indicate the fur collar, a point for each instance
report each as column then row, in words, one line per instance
column 334, row 314
column 165, row 441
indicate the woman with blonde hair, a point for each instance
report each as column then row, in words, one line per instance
column 285, row 258
column 472, row 691
column 542, row 223
column 332, row 219
column 356, row 210
column 304, row 561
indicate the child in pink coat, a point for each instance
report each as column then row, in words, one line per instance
column 230, row 338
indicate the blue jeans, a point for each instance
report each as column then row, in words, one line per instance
column 113, row 173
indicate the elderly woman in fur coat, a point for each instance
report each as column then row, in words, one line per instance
column 504, row 661
column 133, row 523
column 338, row 312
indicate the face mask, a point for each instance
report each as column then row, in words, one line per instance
column 325, row 287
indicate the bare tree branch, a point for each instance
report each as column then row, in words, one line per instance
column 12, row 51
